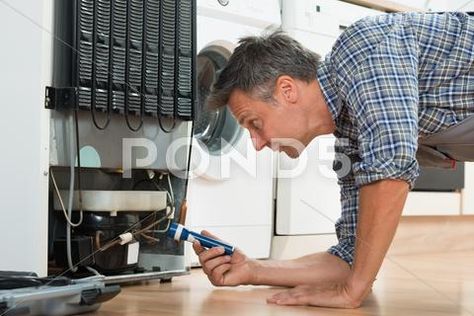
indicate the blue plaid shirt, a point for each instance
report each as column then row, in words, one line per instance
column 387, row 80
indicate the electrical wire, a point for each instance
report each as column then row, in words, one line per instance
column 71, row 195
column 164, row 230
column 74, row 150
column 170, row 195
column 135, row 234
column 148, row 227
column 149, row 238
column 98, row 233
column 171, row 189
column 78, row 153
column 94, row 271
column 56, row 190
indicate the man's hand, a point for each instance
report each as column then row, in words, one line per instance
column 380, row 206
column 328, row 294
column 223, row 270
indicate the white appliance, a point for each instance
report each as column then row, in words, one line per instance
column 24, row 136
column 35, row 142
column 231, row 195
column 309, row 203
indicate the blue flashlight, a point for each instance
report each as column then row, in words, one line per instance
column 179, row 232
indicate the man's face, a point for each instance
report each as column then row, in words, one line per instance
column 277, row 125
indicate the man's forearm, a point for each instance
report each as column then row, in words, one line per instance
column 311, row 269
column 380, row 207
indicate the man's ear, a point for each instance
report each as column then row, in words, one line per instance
column 287, row 89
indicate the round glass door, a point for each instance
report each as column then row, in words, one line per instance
column 216, row 129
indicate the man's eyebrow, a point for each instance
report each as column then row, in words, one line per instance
column 242, row 118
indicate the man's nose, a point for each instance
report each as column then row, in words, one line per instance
column 257, row 141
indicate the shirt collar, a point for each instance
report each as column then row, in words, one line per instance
column 328, row 87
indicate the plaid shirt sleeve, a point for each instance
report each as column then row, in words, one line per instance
column 347, row 223
column 383, row 97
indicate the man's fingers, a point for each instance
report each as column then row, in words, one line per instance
column 213, row 263
column 290, row 297
column 208, row 234
column 217, row 275
column 210, row 254
column 275, row 297
column 198, row 249
column 292, row 301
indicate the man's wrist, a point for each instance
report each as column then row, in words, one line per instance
column 359, row 287
column 254, row 267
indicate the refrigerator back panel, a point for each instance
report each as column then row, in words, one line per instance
column 132, row 57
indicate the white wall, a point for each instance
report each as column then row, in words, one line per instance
column 438, row 5
column 24, row 137
column 462, row 5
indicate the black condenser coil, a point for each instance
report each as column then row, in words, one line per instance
column 132, row 57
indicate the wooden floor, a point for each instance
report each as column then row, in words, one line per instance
column 427, row 284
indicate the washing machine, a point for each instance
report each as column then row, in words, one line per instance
column 308, row 203
column 230, row 190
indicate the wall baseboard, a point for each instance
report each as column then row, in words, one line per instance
column 415, row 235
column 429, row 234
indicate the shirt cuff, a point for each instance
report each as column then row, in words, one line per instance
column 372, row 174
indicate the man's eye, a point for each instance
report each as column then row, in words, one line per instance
column 256, row 124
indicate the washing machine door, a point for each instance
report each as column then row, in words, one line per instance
column 216, row 132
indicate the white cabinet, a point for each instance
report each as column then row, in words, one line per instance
column 318, row 23
column 308, row 201
column 444, row 203
column 24, row 64
column 432, row 203
column 468, row 192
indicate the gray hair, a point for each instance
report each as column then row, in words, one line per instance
column 256, row 64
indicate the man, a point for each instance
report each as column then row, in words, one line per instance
column 390, row 83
